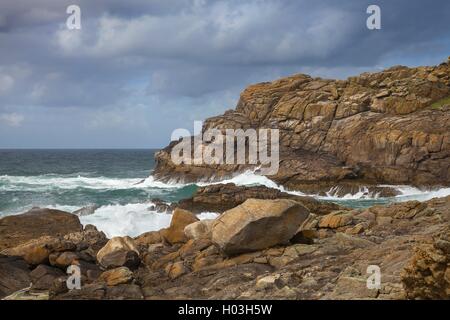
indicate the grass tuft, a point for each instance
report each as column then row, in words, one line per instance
column 441, row 103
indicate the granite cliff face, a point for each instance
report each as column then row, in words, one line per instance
column 389, row 127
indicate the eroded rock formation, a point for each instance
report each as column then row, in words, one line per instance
column 408, row 242
column 389, row 127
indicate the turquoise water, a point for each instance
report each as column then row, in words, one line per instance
column 76, row 178
column 120, row 184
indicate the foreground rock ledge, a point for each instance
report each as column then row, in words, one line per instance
column 327, row 258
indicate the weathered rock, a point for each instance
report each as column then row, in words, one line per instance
column 258, row 224
column 428, row 274
column 222, row 197
column 333, row 267
column 63, row 259
column 401, row 138
column 18, row 229
column 59, row 286
column 159, row 205
column 175, row 232
column 85, row 211
column 199, row 229
column 89, row 238
column 43, row 276
column 94, row 291
column 124, row 292
column 117, row 276
column 118, row 252
column 148, row 238
column 14, row 275
column 268, row 281
column 37, row 251
column 175, row 270
column 335, row 220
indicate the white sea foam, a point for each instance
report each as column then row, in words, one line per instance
column 135, row 218
column 131, row 219
column 250, row 178
column 413, row 193
column 49, row 182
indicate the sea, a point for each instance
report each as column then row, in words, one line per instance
column 119, row 183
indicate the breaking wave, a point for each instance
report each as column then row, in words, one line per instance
column 123, row 203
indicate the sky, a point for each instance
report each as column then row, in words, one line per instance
column 138, row 69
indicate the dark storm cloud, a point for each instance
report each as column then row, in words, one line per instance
column 169, row 61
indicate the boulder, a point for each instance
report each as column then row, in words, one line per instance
column 14, row 275
column 427, row 276
column 199, row 229
column 18, row 229
column 117, row 276
column 175, row 232
column 175, row 270
column 118, row 252
column 44, row 276
column 258, row 224
column 89, row 238
column 63, row 259
column 159, row 205
column 335, row 220
column 37, row 251
column 148, row 238
column 87, row 210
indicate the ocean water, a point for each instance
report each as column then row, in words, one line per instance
column 120, row 183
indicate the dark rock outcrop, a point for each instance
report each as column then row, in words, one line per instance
column 14, row 275
column 222, row 197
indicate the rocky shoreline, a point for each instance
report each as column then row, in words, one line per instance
column 280, row 248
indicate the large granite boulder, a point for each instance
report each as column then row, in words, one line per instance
column 116, row 276
column 37, row 251
column 18, row 229
column 119, row 252
column 175, row 232
column 258, row 224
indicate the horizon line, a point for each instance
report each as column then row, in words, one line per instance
column 80, row 148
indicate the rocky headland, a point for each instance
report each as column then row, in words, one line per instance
column 390, row 127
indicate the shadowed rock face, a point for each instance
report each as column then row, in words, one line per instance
column 222, row 197
column 14, row 275
column 386, row 127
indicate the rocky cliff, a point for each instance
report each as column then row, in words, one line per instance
column 389, row 127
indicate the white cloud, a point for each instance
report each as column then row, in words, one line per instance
column 11, row 119
column 6, row 83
